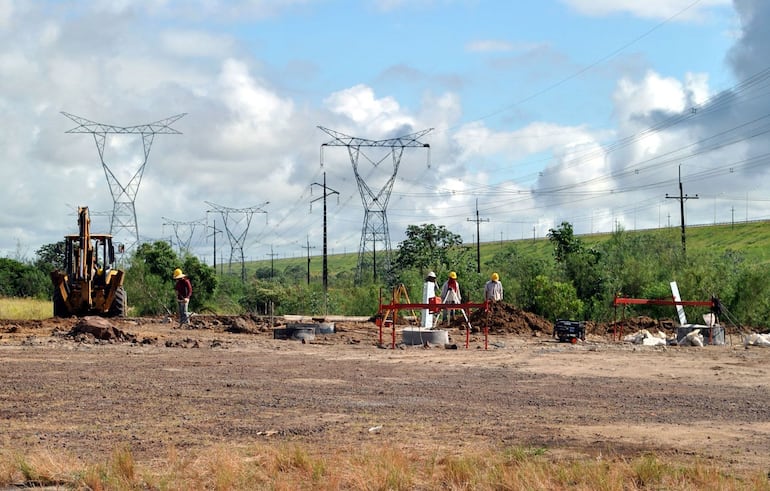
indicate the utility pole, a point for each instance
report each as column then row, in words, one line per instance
column 478, row 241
column 308, row 247
column 272, row 263
column 682, row 198
column 214, row 234
column 327, row 191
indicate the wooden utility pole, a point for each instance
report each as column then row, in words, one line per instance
column 214, row 234
column 325, row 270
column 478, row 241
column 272, row 257
column 308, row 247
column 682, row 198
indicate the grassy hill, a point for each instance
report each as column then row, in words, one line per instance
column 749, row 238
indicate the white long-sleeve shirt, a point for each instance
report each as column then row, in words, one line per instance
column 493, row 291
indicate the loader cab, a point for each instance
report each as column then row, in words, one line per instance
column 88, row 284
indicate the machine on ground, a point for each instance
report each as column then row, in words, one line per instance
column 89, row 283
column 569, row 331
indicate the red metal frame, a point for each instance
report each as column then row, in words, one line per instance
column 712, row 304
column 433, row 307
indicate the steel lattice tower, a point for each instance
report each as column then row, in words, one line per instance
column 235, row 232
column 375, row 229
column 124, row 196
column 184, row 231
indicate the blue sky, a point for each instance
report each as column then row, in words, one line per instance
column 550, row 111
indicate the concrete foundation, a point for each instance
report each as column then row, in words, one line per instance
column 303, row 331
column 716, row 334
column 417, row 336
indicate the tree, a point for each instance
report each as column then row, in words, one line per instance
column 22, row 280
column 580, row 266
column 564, row 241
column 518, row 271
column 159, row 258
column 556, row 300
column 50, row 257
column 428, row 248
column 149, row 281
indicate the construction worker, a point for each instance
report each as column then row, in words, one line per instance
column 450, row 293
column 183, row 293
column 493, row 289
column 428, row 292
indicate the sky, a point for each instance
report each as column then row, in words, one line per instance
column 530, row 114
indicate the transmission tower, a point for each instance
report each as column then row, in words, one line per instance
column 124, row 196
column 375, row 228
column 184, row 232
column 237, row 222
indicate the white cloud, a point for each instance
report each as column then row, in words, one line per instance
column 380, row 116
column 653, row 93
column 489, row 45
column 6, row 13
column 193, row 44
column 258, row 115
column 685, row 10
column 251, row 136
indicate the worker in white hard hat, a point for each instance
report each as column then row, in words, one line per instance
column 428, row 293
column 493, row 289
column 183, row 289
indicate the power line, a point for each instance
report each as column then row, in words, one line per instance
column 585, row 69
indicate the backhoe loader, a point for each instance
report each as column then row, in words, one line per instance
column 89, row 285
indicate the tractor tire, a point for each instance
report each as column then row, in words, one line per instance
column 119, row 305
column 59, row 307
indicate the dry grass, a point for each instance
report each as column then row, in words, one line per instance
column 291, row 467
column 25, row 308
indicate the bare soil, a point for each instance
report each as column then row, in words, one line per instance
column 89, row 385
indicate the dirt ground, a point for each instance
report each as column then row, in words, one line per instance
column 88, row 386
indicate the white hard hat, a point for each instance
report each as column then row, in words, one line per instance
column 431, row 275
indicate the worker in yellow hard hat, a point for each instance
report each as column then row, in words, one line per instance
column 493, row 289
column 183, row 289
column 450, row 293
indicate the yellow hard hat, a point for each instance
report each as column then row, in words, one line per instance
column 178, row 274
column 453, row 275
column 495, row 277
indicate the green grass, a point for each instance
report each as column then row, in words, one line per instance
column 25, row 308
column 750, row 238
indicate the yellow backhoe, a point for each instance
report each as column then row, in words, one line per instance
column 89, row 285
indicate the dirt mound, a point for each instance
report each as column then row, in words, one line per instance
column 239, row 324
column 99, row 328
column 504, row 318
column 631, row 325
